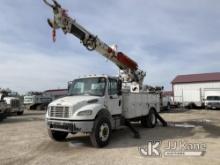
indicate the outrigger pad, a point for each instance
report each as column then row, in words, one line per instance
column 161, row 119
column 136, row 133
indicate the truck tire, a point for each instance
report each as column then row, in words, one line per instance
column 3, row 116
column 20, row 113
column 57, row 135
column 150, row 120
column 101, row 133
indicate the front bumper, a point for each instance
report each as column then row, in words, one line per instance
column 213, row 105
column 70, row 126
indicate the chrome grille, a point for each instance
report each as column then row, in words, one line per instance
column 15, row 103
column 61, row 112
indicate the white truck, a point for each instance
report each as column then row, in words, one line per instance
column 98, row 104
column 36, row 101
column 13, row 101
column 166, row 103
column 212, row 99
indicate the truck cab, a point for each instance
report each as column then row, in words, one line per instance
column 13, row 102
column 212, row 102
column 89, row 98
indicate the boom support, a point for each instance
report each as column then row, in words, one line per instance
column 129, row 71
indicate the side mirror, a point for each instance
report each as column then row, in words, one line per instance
column 69, row 85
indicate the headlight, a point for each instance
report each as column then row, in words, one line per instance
column 85, row 113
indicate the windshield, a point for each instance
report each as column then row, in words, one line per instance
column 217, row 98
column 88, row 86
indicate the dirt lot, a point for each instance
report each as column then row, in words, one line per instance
column 24, row 140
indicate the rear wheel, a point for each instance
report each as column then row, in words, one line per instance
column 150, row 120
column 57, row 135
column 101, row 133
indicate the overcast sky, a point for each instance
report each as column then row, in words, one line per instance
column 165, row 37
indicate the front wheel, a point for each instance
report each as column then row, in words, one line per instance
column 101, row 133
column 57, row 135
column 150, row 120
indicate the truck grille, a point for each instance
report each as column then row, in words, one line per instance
column 61, row 112
column 15, row 103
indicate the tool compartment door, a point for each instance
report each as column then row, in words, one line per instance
column 134, row 105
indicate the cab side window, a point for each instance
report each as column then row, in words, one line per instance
column 112, row 88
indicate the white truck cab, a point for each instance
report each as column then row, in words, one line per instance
column 13, row 102
column 97, row 105
column 212, row 102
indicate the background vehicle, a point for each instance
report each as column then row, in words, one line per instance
column 12, row 100
column 166, row 99
column 195, row 98
column 36, row 101
column 3, row 109
column 99, row 104
column 212, row 102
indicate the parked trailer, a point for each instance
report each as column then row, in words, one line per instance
column 36, row 101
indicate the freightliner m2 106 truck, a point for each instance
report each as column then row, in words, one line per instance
column 98, row 104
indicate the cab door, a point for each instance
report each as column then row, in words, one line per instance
column 114, row 97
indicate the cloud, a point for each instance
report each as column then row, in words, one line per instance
column 165, row 38
column 39, row 71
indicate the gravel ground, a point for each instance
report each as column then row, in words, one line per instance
column 24, row 140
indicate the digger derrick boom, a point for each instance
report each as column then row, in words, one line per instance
column 92, row 42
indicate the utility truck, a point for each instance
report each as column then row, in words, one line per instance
column 98, row 104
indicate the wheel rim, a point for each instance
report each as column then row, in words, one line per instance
column 104, row 132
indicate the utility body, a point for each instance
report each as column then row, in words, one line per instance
column 98, row 104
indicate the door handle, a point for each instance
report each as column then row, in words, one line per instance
column 119, row 103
